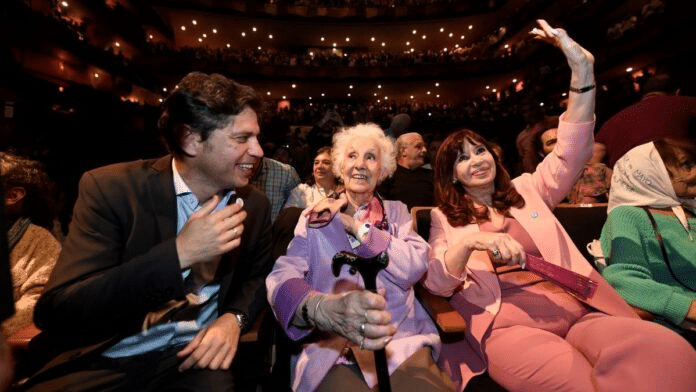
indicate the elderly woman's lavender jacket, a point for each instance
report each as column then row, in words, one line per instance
column 307, row 266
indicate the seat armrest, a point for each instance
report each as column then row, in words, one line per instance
column 447, row 319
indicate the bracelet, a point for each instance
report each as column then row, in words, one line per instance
column 582, row 89
column 316, row 308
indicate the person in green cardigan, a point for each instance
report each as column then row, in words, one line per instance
column 655, row 182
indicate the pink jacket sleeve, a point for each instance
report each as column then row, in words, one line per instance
column 559, row 171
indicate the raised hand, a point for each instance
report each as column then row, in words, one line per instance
column 209, row 233
column 575, row 54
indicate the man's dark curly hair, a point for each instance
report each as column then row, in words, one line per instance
column 38, row 203
column 203, row 103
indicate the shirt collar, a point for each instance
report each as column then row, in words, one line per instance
column 180, row 187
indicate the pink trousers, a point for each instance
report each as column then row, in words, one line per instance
column 599, row 353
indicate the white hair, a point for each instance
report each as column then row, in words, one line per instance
column 343, row 139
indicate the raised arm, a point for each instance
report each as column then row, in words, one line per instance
column 581, row 99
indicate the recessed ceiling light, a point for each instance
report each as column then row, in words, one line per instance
column 414, row 32
column 270, row 36
column 183, row 28
column 294, row 85
column 372, row 39
column 253, row 29
column 471, row 27
column 423, row 36
column 451, row 34
column 347, row 39
column 214, row 31
column 629, row 69
column 243, row 34
column 442, row 29
column 193, row 22
column 268, row 93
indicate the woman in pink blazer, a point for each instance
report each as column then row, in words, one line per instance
column 564, row 328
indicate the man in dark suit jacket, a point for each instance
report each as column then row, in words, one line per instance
column 164, row 263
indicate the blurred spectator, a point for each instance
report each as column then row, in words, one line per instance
column 399, row 125
column 321, row 184
column 33, row 249
column 661, row 112
column 411, row 183
column 276, row 180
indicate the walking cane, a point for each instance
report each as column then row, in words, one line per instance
column 368, row 269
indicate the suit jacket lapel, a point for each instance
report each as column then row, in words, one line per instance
column 162, row 196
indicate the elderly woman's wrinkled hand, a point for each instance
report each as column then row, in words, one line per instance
column 359, row 315
column 576, row 55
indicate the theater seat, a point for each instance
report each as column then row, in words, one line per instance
column 583, row 222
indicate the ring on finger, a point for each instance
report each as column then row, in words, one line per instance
column 234, row 232
column 362, row 330
column 495, row 253
column 362, row 343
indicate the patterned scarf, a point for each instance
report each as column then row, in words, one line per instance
column 641, row 179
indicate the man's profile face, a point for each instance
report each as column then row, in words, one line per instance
column 415, row 151
column 230, row 152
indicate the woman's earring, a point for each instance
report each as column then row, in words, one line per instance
column 454, row 180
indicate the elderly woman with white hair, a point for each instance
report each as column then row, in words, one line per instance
column 336, row 319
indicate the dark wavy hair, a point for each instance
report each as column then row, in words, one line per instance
column 38, row 203
column 451, row 197
column 203, row 103
column 310, row 178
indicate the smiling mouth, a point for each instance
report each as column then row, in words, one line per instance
column 359, row 177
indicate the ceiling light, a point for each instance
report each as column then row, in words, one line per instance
column 283, row 96
column 375, row 94
column 214, row 31
column 96, row 74
column 334, row 44
column 462, row 37
column 411, row 96
column 428, row 93
column 541, row 104
column 438, row 96
column 258, row 47
column 385, row 97
column 471, row 27
column 372, row 39
column 437, row 84
column 229, row 46
column 629, row 69
column 322, row 39
column 150, row 36
column 347, row 39
column 193, row 22
column 494, row 90
column 383, row 43
column 164, row 89
column 253, row 29
column 200, row 39
column 451, row 35
column 205, row 35
column 118, row 44
column 514, row 80
column 294, row 85
column 349, row 94
column 351, row 86
column 507, row 46
column 423, row 36
column 268, row 93
column 442, row 29
column 64, row 3
column 412, row 49
column 488, row 87
column 408, row 43
column 183, row 28
column 243, row 34
column 379, row 86
column 270, row 36
column 414, row 32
